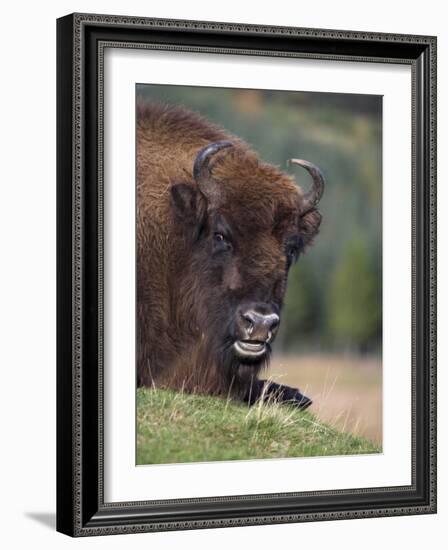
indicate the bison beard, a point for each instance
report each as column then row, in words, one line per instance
column 217, row 232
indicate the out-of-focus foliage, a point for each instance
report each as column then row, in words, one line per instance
column 334, row 292
column 354, row 311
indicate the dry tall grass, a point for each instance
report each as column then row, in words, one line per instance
column 346, row 391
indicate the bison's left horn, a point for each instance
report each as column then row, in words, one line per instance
column 313, row 196
column 201, row 168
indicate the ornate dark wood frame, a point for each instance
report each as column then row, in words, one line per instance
column 81, row 39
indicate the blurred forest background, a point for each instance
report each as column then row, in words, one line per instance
column 329, row 343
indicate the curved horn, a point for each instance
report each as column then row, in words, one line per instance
column 313, row 196
column 201, row 169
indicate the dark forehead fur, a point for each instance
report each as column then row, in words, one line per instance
column 259, row 194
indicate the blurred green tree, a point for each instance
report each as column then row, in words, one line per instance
column 355, row 298
column 302, row 308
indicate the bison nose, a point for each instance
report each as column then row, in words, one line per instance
column 257, row 326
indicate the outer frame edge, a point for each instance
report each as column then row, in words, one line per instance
column 83, row 530
column 64, row 490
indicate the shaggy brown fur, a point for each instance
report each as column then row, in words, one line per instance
column 187, row 294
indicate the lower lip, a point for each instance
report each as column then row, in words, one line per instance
column 247, row 349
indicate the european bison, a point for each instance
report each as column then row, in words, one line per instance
column 217, row 231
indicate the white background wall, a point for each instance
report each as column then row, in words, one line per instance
column 27, row 273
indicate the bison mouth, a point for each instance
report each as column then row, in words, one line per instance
column 250, row 349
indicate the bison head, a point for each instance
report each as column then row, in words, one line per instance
column 241, row 224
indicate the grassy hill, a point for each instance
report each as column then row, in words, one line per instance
column 176, row 427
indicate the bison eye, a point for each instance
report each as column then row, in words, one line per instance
column 220, row 243
column 219, row 237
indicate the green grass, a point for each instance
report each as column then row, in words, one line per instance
column 178, row 427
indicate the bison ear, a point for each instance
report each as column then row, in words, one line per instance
column 186, row 201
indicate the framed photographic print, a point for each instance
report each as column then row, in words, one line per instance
column 246, row 274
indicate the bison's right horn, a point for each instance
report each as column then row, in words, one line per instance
column 201, row 169
column 313, row 196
